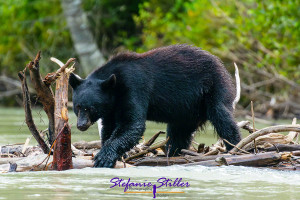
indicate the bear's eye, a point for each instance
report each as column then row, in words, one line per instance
column 78, row 107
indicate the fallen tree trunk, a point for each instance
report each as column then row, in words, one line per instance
column 35, row 163
column 87, row 145
column 164, row 161
column 284, row 147
column 252, row 160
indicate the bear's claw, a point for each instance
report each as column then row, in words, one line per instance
column 103, row 159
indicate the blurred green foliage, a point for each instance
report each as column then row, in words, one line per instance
column 253, row 33
column 112, row 23
column 28, row 26
column 31, row 25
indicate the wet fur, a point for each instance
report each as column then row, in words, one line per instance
column 180, row 85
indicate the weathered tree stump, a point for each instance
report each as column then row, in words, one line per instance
column 62, row 157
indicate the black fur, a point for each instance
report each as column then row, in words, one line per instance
column 180, row 85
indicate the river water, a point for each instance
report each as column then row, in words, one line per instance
column 228, row 182
column 205, row 183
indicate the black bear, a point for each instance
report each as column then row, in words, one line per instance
column 180, row 85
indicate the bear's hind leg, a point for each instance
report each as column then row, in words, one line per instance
column 222, row 119
column 180, row 136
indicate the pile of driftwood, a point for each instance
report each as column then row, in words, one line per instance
column 261, row 148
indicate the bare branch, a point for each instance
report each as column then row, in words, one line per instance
column 28, row 114
column 265, row 131
column 246, row 125
column 147, row 150
column 61, row 64
column 238, row 86
column 53, row 76
column 153, row 138
column 292, row 135
column 44, row 93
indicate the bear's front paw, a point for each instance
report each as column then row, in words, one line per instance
column 105, row 159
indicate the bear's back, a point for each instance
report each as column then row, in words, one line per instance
column 175, row 79
column 174, row 59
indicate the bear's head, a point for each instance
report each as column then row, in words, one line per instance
column 92, row 99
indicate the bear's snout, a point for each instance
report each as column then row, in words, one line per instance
column 82, row 127
column 83, row 121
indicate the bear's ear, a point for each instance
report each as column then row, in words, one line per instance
column 74, row 80
column 110, row 82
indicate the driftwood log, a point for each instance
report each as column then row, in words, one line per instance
column 164, row 161
column 275, row 160
column 252, row 160
column 28, row 114
column 284, row 147
column 11, row 150
column 258, row 160
column 55, row 108
column 87, row 145
column 62, row 158
column 35, row 163
column 44, row 93
column 264, row 131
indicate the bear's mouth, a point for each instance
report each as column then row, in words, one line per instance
column 83, row 121
column 83, row 128
column 86, row 127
